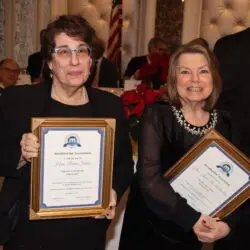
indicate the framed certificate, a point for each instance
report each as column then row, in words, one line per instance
column 213, row 176
column 72, row 176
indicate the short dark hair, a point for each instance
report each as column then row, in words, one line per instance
column 71, row 25
column 173, row 96
column 3, row 61
column 154, row 42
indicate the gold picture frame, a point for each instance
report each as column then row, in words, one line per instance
column 75, row 164
column 214, row 148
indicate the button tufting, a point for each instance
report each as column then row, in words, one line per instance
column 221, row 18
column 228, row 5
column 214, row 21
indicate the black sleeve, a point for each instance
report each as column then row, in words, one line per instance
column 216, row 47
column 10, row 134
column 131, row 68
column 241, row 119
column 123, row 162
column 10, row 195
column 219, row 50
column 232, row 221
column 10, row 152
column 158, row 193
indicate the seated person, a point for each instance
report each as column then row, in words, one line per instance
column 34, row 67
column 9, row 72
column 155, row 64
column 104, row 72
column 35, row 64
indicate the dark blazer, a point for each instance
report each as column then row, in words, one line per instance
column 233, row 55
column 135, row 64
column 108, row 75
column 241, row 119
column 15, row 117
column 239, row 239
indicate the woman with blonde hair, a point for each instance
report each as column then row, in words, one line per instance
column 156, row 216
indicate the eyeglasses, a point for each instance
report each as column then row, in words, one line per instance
column 82, row 51
column 16, row 71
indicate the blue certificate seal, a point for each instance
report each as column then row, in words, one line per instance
column 226, row 168
column 72, row 141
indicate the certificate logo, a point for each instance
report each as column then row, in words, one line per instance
column 225, row 168
column 72, row 141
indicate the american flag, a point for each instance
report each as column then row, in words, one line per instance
column 115, row 34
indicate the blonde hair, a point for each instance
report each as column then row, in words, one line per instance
column 172, row 93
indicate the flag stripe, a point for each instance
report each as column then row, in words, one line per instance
column 115, row 33
column 116, row 49
column 113, row 38
column 115, row 16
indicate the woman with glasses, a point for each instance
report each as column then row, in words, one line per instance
column 66, row 47
column 156, row 216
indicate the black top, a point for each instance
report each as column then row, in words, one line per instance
column 34, row 101
column 134, row 64
column 164, row 141
column 163, row 214
column 57, row 109
column 51, row 234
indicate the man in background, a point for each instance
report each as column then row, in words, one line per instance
column 152, row 67
column 156, row 46
column 233, row 55
column 9, row 72
column 34, row 67
column 35, row 64
column 104, row 73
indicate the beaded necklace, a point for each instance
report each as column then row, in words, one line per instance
column 195, row 130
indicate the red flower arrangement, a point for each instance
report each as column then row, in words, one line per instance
column 135, row 100
column 158, row 66
column 134, row 103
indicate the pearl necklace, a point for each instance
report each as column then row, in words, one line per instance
column 195, row 130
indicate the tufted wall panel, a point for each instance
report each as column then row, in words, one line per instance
column 97, row 12
column 223, row 17
column 215, row 18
